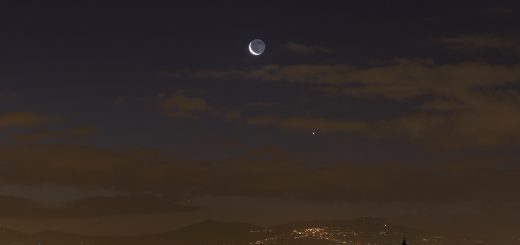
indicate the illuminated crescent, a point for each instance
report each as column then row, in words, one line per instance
column 251, row 50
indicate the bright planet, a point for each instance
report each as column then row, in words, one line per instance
column 256, row 47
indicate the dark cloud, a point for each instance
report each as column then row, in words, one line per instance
column 496, row 12
column 8, row 95
column 306, row 49
column 42, row 135
column 231, row 115
column 120, row 101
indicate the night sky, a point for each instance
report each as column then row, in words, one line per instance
column 143, row 116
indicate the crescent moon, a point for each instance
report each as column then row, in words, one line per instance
column 251, row 50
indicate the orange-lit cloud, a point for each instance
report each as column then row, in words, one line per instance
column 179, row 104
column 24, row 119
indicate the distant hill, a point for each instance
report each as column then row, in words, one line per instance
column 7, row 235
column 358, row 231
column 207, row 232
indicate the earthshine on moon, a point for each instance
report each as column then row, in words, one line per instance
column 256, row 47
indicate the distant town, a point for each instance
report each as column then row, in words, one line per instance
column 360, row 231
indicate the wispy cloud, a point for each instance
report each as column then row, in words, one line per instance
column 462, row 104
column 306, row 49
column 8, row 95
column 507, row 45
column 496, row 12
column 47, row 134
column 24, row 119
column 179, row 104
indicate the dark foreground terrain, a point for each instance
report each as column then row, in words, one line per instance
column 363, row 230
